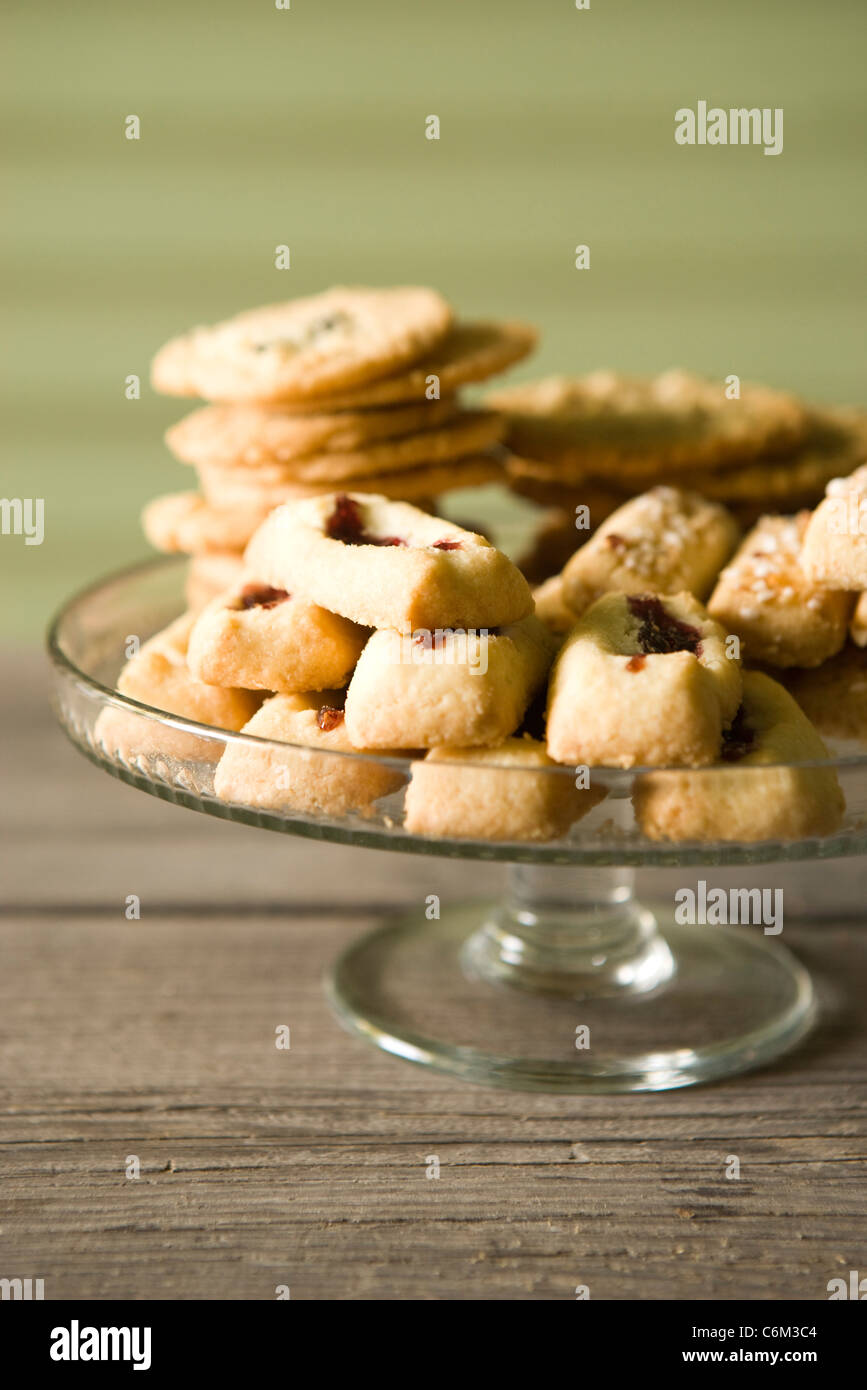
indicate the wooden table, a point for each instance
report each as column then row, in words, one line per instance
column 307, row 1168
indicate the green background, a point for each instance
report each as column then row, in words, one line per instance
column 306, row 127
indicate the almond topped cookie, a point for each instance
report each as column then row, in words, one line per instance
column 662, row 542
column 304, row 348
column 387, row 564
column 642, row 679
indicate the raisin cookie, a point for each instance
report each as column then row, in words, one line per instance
column 642, row 679
column 387, row 564
column 256, row 637
column 756, row 797
column 305, row 348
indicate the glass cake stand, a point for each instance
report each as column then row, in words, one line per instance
column 566, row 983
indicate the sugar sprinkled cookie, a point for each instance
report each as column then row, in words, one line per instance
column 663, row 541
column 304, row 348
column 835, row 543
column 387, row 564
column 782, row 617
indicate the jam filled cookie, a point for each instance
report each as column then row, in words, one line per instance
column 642, row 679
column 428, row 688
column 158, row 675
column 835, row 544
column 259, row 638
column 311, row 774
column 387, row 564
column 664, row 542
column 756, row 797
column 782, row 617
column 510, row 792
column 305, row 348
column 248, row 436
column 834, row 696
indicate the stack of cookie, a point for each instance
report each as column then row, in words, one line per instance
column 352, row 388
column 597, row 440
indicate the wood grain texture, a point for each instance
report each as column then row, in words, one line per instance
column 306, row 1167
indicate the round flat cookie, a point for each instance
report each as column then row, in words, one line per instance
column 246, row 436
column 304, row 348
column 248, row 491
column 639, row 428
column 470, row 352
column 472, row 432
column 187, row 522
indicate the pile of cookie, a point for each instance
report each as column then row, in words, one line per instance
column 597, row 440
column 351, row 388
column 365, row 626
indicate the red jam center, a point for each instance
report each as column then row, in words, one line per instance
column 347, row 525
column 329, row 718
column 737, row 740
column 446, row 545
column 262, row 596
column 659, row 630
column 636, row 663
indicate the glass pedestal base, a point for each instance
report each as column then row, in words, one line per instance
column 550, row 992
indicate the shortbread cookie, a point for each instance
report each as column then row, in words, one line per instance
column 470, row 433
column 158, row 675
column 782, row 617
column 639, row 427
column 247, row 436
column 210, row 574
column 834, row 695
column 756, row 797
column 836, row 441
column 858, row 625
column 642, row 680
column 469, row 352
column 259, row 638
column 312, row 775
column 304, row 348
column 664, row 542
column 511, row 792
column 423, row 689
column 187, row 522
column 835, row 543
column 387, row 564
